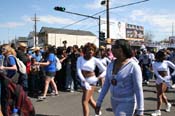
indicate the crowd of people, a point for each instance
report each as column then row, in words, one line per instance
column 120, row 69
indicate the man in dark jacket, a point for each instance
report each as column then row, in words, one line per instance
column 21, row 52
column 22, row 55
column 74, row 56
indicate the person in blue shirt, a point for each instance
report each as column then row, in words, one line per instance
column 50, row 71
column 37, row 54
column 1, row 63
column 9, row 63
column 124, row 79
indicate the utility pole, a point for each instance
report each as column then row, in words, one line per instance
column 107, row 18
column 172, row 29
column 35, row 19
column 99, row 29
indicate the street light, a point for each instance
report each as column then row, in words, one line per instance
column 106, row 2
column 62, row 9
column 103, row 2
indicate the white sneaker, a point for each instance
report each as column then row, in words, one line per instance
column 72, row 91
column 156, row 113
column 99, row 90
column 168, row 108
column 173, row 86
column 147, row 82
column 100, row 113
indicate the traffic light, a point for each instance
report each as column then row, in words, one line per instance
column 60, row 8
column 102, row 36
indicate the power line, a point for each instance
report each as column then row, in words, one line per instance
column 105, row 10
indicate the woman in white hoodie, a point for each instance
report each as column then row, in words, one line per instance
column 86, row 71
column 162, row 73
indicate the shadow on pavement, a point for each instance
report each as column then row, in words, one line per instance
column 109, row 109
column 146, row 90
column 151, row 99
column 46, row 115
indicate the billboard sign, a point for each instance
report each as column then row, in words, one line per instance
column 117, row 29
column 122, row 30
column 134, row 32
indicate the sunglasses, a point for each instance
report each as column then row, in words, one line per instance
column 3, row 49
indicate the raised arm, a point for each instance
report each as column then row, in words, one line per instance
column 79, row 60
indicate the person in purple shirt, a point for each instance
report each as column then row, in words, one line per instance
column 124, row 79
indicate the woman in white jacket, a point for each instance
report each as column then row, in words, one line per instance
column 162, row 73
column 86, row 71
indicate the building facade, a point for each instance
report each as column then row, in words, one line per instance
column 57, row 37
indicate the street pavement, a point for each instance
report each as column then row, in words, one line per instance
column 69, row 104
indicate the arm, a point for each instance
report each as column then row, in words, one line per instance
column 79, row 69
column 108, row 60
column 0, row 111
column 137, row 81
column 50, row 59
column 43, row 63
column 11, row 61
column 157, row 74
column 105, row 87
column 170, row 64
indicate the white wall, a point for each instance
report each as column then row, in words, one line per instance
column 57, row 39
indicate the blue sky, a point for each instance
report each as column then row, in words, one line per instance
column 157, row 16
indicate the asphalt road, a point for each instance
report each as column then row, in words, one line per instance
column 69, row 104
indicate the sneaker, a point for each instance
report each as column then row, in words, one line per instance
column 147, row 82
column 173, row 86
column 100, row 113
column 99, row 90
column 71, row 91
column 168, row 108
column 156, row 113
column 52, row 93
column 41, row 98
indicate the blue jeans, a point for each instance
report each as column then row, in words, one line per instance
column 123, row 108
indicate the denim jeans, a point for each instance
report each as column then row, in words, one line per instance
column 123, row 108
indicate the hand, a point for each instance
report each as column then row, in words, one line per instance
column 37, row 63
column 97, row 109
column 167, row 77
column 1, row 67
column 87, row 86
column 99, row 78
